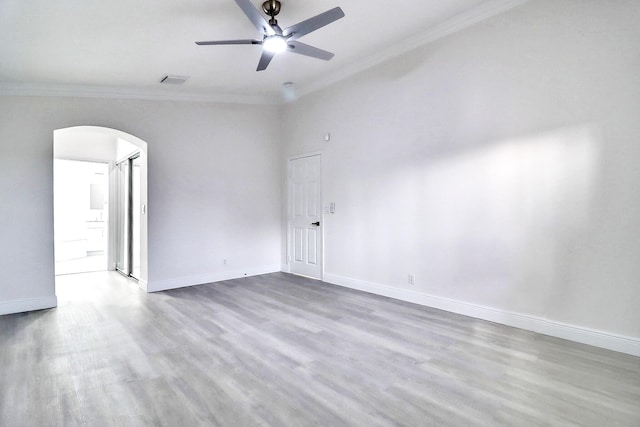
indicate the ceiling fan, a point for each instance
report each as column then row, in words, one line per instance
column 275, row 39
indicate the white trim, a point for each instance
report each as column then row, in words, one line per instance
column 20, row 306
column 307, row 277
column 552, row 328
column 458, row 23
column 132, row 139
column 83, row 159
column 84, row 91
column 284, row 268
column 181, row 282
column 143, row 284
column 303, row 156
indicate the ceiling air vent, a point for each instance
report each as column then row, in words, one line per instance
column 173, row 80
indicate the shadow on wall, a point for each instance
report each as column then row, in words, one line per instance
column 505, row 212
column 488, row 217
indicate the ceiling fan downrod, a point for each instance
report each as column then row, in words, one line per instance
column 271, row 8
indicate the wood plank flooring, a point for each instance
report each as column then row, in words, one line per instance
column 280, row 350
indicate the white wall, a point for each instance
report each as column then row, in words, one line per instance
column 214, row 189
column 499, row 166
column 214, row 193
column 82, row 144
column 124, row 149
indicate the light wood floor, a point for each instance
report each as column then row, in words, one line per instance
column 278, row 350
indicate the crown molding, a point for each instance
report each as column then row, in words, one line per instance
column 110, row 92
column 458, row 23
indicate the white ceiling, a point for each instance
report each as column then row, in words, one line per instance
column 127, row 46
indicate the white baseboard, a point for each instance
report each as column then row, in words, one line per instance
column 143, row 284
column 19, row 306
column 181, row 282
column 579, row 334
column 285, row 268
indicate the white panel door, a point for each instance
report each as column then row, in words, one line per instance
column 305, row 217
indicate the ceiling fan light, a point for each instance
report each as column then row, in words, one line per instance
column 274, row 44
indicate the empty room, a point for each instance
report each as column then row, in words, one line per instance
column 345, row 213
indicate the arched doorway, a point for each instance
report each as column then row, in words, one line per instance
column 125, row 228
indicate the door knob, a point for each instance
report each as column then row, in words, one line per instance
column 316, row 223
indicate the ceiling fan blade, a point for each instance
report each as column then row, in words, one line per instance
column 305, row 49
column 255, row 17
column 305, row 27
column 224, row 42
column 265, row 59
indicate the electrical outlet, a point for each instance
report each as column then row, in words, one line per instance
column 224, row 261
column 411, row 279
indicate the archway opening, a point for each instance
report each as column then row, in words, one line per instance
column 112, row 211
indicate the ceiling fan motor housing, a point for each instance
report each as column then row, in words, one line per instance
column 271, row 8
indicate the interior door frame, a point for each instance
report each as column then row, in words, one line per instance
column 288, row 200
column 132, row 211
column 129, row 212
